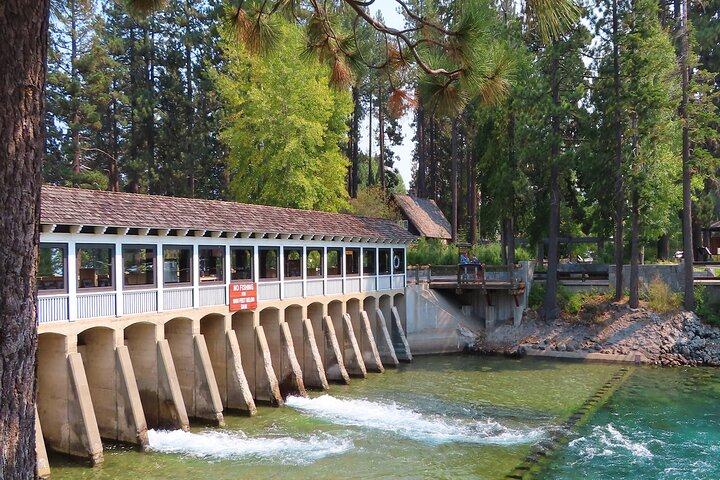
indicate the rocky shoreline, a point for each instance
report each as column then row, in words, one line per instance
column 674, row 339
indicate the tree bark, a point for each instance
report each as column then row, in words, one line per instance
column 663, row 247
column 619, row 196
column 454, row 178
column 688, row 298
column 370, row 142
column 420, row 179
column 634, row 299
column 381, row 135
column 472, row 200
column 355, row 138
column 550, row 309
column 24, row 24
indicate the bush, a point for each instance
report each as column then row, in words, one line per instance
column 707, row 307
column 660, row 296
column 434, row 252
column 537, row 295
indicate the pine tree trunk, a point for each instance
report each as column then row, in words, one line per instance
column 420, row 179
column 370, row 142
column 381, row 135
column 510, row 229
column 634, row 300
column 75, row 127
column 472, row 199
column 689, row 298
column 190, row 112
column 663, row 247
column 24, row 25
column 454, row 179
column 550, row 308
column 619, row 181
column 433, row 160
column 354, row 138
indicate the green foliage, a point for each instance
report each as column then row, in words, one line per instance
column 374, row 202
column 707, row 306
column 537, row 294
column 283, row 126
column 660, row 296
column 435, row 252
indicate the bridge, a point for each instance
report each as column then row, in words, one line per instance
column 157, row 311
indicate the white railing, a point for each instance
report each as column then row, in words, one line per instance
column 52, row 308
column 398, row 281
column 384, row 282
column 268, row 290
column 352, row 284
column 140, row 301
column 293, row 289
column 314, row 288
column 334, row 286
column 369, row 284
column 101, row 304
column 177, row 298
column 214, row 295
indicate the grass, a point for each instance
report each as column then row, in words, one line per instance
column 660, row 296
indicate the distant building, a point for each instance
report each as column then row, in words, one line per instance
column 423, row 217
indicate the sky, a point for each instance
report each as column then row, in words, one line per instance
column 404, row 152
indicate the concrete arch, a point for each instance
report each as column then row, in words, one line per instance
column 63, row 399
column 400, row 305
column 140, row 339
column 315, row 312
column 385, row 306
column 179, row 335
column 243, row 327
column 213, row 328
column 335, row 310
column 270, row 319
column 353, row 308
column 97, row 348
column 294, row 315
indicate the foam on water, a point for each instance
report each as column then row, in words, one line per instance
column 403, row 421
column 607, row 441
column 221, row 444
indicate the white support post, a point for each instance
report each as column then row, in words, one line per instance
column 303, row 266
column 324, row 269
column 281, row 271
column 196, row 275
column 72, row 280
column 361, row 269
column 343, row 270
column 160, row 262
column 377, row 269
column 256, row 264
column 119, row 278
column 228, row 274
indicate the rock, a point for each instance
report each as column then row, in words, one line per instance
column 571, row 347
column 561, row 347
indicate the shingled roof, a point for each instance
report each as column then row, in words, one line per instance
column 73, row 206
column 425, row 215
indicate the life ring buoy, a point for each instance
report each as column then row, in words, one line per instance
column 396, row 262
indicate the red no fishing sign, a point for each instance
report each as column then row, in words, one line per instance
column 243, row 296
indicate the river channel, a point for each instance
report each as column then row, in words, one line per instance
column 451, row 417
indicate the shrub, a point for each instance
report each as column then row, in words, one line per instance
column 537, row 294
column 660, row 296
column 706, row 306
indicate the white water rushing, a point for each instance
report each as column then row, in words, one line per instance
column 224, row 444
column 409, row 423
column 607, row 441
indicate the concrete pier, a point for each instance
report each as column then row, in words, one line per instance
column 334, row 365
column 313, row 371
column 386, row 349
column 353, row 357
column 291, row 382
column 266, row 384
column 43, row 466
column 402, row 348
column 370, row 353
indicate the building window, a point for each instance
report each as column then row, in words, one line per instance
column 241, row 263
column 177, row 265
column 95, row 266
column 139, row 265
column 398, row 261
column 268, row 262
column 334, row 266
column 293, row 262
column 369, row 261
column 352, row 261
column 51, row 269
column 314, row 262
column 212, row 264
column 384, row 260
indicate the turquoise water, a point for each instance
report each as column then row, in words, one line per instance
column 664, row 423
column 454, row 417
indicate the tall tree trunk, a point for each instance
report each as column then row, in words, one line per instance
column 472, row 201
column 433, row 159
column 24, row 24
column 663, row 247
column 189, row 101
column 503, row 241
column 454, row 178
column 420, row 178
column 381, row 135
column 514, row 170
column 510, row 229
column 550, row 308
column 634, row 300
column 370, row 142
column 619, row 180
column 150, row 118
column 113, row 170
column 689, row 298
column 75, row 127
column 354, row 138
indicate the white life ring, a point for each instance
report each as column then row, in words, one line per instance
column 396, row 262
